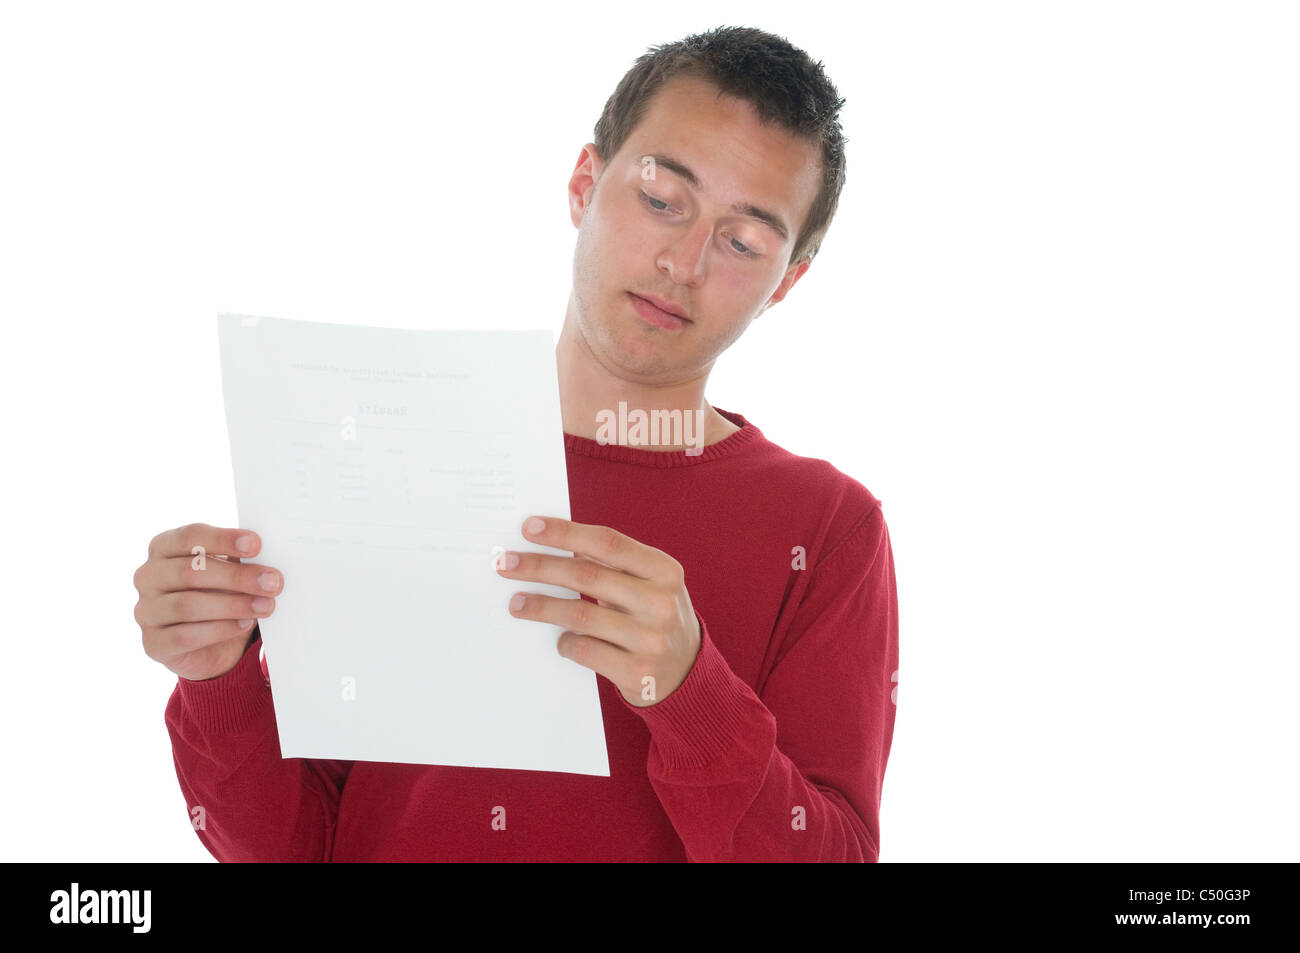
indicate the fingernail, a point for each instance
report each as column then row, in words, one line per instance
column 268, row 581
column 244, row 544
column 511, row 561
column 518, row 601
column 533, row 525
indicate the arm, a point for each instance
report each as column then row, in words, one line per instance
column 795, row 775
column 256, row 806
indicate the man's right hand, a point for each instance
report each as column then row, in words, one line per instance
column 198, row 622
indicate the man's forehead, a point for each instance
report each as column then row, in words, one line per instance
column 693, row 102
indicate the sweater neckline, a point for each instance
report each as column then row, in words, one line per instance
column 728, row 446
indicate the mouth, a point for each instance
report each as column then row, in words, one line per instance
column 654, row 314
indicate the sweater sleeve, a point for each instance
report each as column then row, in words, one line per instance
column 796, row 774
column 246, row 803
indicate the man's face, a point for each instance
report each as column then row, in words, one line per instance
column 685, row 243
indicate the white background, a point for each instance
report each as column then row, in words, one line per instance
column 1052, row 328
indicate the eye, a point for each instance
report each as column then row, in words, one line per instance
column 744, row 250
column 651, row 200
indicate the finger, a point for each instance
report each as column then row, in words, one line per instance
column 585, row 618
column 181, row 573
column 586, row 576
column 190, row 557
column 599, row 656
column 195, row 605
column 214, row 540
column 606, row 545
column 168, row 641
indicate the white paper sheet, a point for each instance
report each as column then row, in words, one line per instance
column 384, row 469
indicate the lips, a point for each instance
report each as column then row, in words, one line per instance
column 656, row 316
column 665, row 305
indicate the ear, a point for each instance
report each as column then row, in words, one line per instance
column 792, row 274
column 582, row 183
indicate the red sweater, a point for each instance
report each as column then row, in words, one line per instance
column 773, row 748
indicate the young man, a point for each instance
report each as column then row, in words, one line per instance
column 737, row 601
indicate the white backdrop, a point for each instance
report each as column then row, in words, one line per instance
column 1053, row 328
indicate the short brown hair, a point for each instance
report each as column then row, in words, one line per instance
column 782, row 83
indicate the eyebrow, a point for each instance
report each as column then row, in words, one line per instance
column 749, row 210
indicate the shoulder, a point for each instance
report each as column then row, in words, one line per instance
column 845, row 511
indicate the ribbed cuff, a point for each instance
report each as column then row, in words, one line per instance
column 231, row 702
column 712, row 716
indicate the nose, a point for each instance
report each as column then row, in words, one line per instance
column 685, row 259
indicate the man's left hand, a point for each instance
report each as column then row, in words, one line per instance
column 641, row 633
